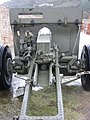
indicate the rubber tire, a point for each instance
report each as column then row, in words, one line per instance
column 85, row 79
column 5, row 78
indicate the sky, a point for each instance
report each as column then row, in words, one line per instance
column 2, row 1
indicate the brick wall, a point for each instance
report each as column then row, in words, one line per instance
column 5, row 29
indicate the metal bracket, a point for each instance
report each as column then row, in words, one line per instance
column 83, row 73
column 70, row 80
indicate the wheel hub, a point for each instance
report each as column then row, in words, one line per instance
column 9, row 66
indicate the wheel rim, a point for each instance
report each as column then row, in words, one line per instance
column 84, row 59
column 85, row 56
column 8, row 72
column 7, row 66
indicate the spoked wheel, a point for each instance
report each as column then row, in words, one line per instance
column 85, row 58
column 6, row 68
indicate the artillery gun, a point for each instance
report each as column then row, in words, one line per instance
column 43, row 56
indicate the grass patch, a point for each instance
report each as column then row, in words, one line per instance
column 71, row 102
column 43, row 102
column 9, row 106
